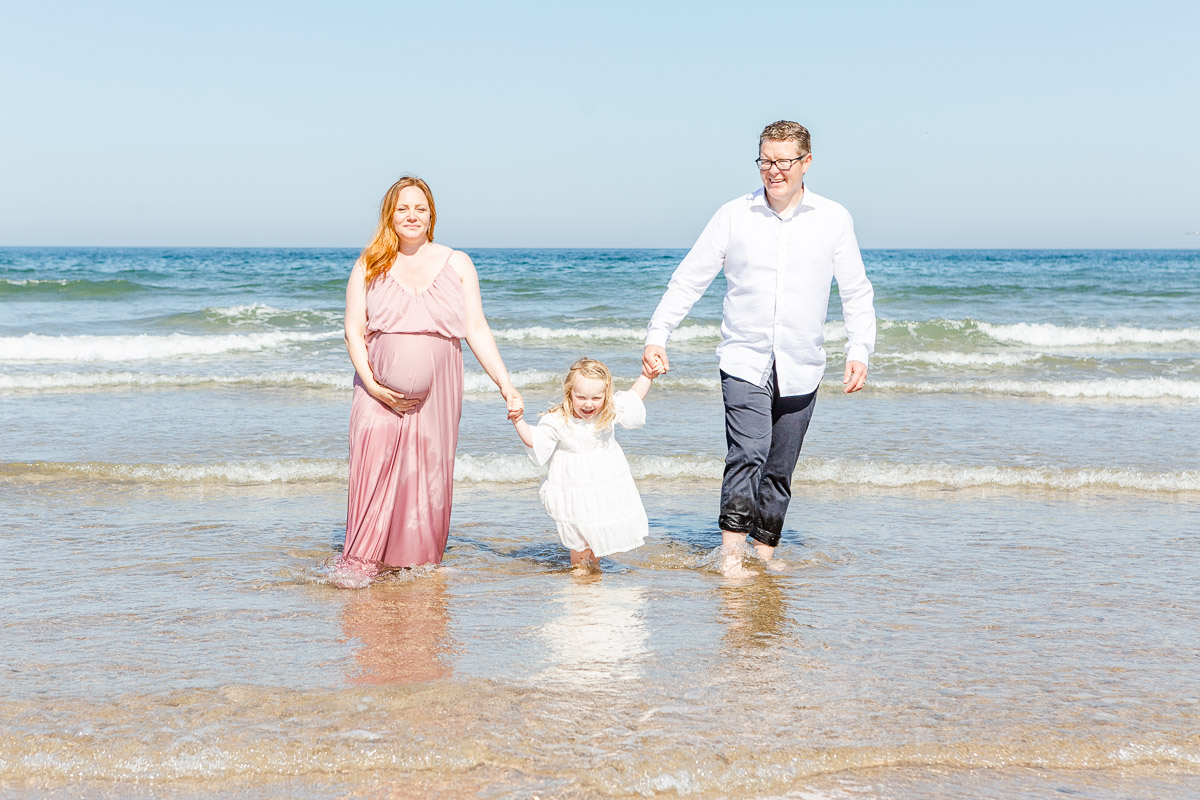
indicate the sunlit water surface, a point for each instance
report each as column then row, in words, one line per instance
column 994, row 571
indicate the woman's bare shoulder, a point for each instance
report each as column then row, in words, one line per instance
column 461, row 263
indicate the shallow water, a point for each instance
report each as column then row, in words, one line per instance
column 975, row 638
column 992, row 586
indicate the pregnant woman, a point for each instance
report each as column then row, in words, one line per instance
column 408, row 303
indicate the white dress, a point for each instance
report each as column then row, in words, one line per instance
column 589, row 491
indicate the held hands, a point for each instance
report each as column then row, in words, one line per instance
column 654, row 361
column 855, row 377
column 516, row 404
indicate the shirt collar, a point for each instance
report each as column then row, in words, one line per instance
column 758, row 202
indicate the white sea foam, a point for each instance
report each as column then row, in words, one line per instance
column 957, row 359
column 251, row 311
column 84, row 381
column 676, row 381
column 1109, row 388
column 914, row 327
column 676, row 467
column 833, row 331
column 480, row 383
column 35, row 347
column 519, row 469
column 260, row 312
column 876, row 473
column 1047, row 335
column 516, row 469
column 229, row 472
column 495, row 469
column 35, row 281
column 1135, row 753
column 602, row 333
column 473, row 382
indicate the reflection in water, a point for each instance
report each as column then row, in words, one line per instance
column 597, row 635
column 754, row 613
column 402, row 630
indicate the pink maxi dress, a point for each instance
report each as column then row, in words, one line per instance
column 402, row 465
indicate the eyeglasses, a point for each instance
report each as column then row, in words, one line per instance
column 784, row 164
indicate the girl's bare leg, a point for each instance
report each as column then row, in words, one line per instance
column 581, row 561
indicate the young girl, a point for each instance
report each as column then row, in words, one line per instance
column 589, row 491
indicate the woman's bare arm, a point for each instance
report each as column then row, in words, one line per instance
column 479, row 334
column 355, row 334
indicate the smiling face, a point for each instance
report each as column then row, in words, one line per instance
column 412, row 215
column 587, row 397
column 784, row 187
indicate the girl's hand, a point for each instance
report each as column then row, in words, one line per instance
column 654, row 361
column 516, row 404
column 654, row 368
column 396, row 401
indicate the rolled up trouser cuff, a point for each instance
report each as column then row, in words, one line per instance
column 735, row 522
column 764, row 433
column 769, row 538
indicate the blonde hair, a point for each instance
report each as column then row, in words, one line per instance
column 588, row 368
column 380, row 253
column 787, row 131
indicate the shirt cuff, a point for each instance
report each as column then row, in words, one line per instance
column 857, row 352
column 657, row 337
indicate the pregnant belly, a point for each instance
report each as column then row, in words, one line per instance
column 405, row 362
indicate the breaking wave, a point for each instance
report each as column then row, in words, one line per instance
column 1107, row 389
column 143, row 347
column 473, row 382
column 1047, row 335
column 517, row 469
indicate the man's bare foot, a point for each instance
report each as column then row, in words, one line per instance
column 766, row 554
column 731, row 563
column 733, row 547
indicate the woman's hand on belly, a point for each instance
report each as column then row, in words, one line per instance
column 390, row 398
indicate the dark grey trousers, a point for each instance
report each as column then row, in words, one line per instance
column 764, row 433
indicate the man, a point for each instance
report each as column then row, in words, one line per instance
column 780, row 248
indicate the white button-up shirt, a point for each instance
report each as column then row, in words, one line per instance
column 778, row 271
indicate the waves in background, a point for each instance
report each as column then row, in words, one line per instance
column 1021, row 338
column 993, row 589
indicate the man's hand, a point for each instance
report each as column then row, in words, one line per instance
column 654, row 360
column 855, row 377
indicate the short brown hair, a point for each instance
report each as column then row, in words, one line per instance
column 787, row 131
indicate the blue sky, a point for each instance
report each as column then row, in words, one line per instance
column 617, row 124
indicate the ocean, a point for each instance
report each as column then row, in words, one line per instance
column 994, row 561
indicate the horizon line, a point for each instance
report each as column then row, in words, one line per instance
column 540, row 247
